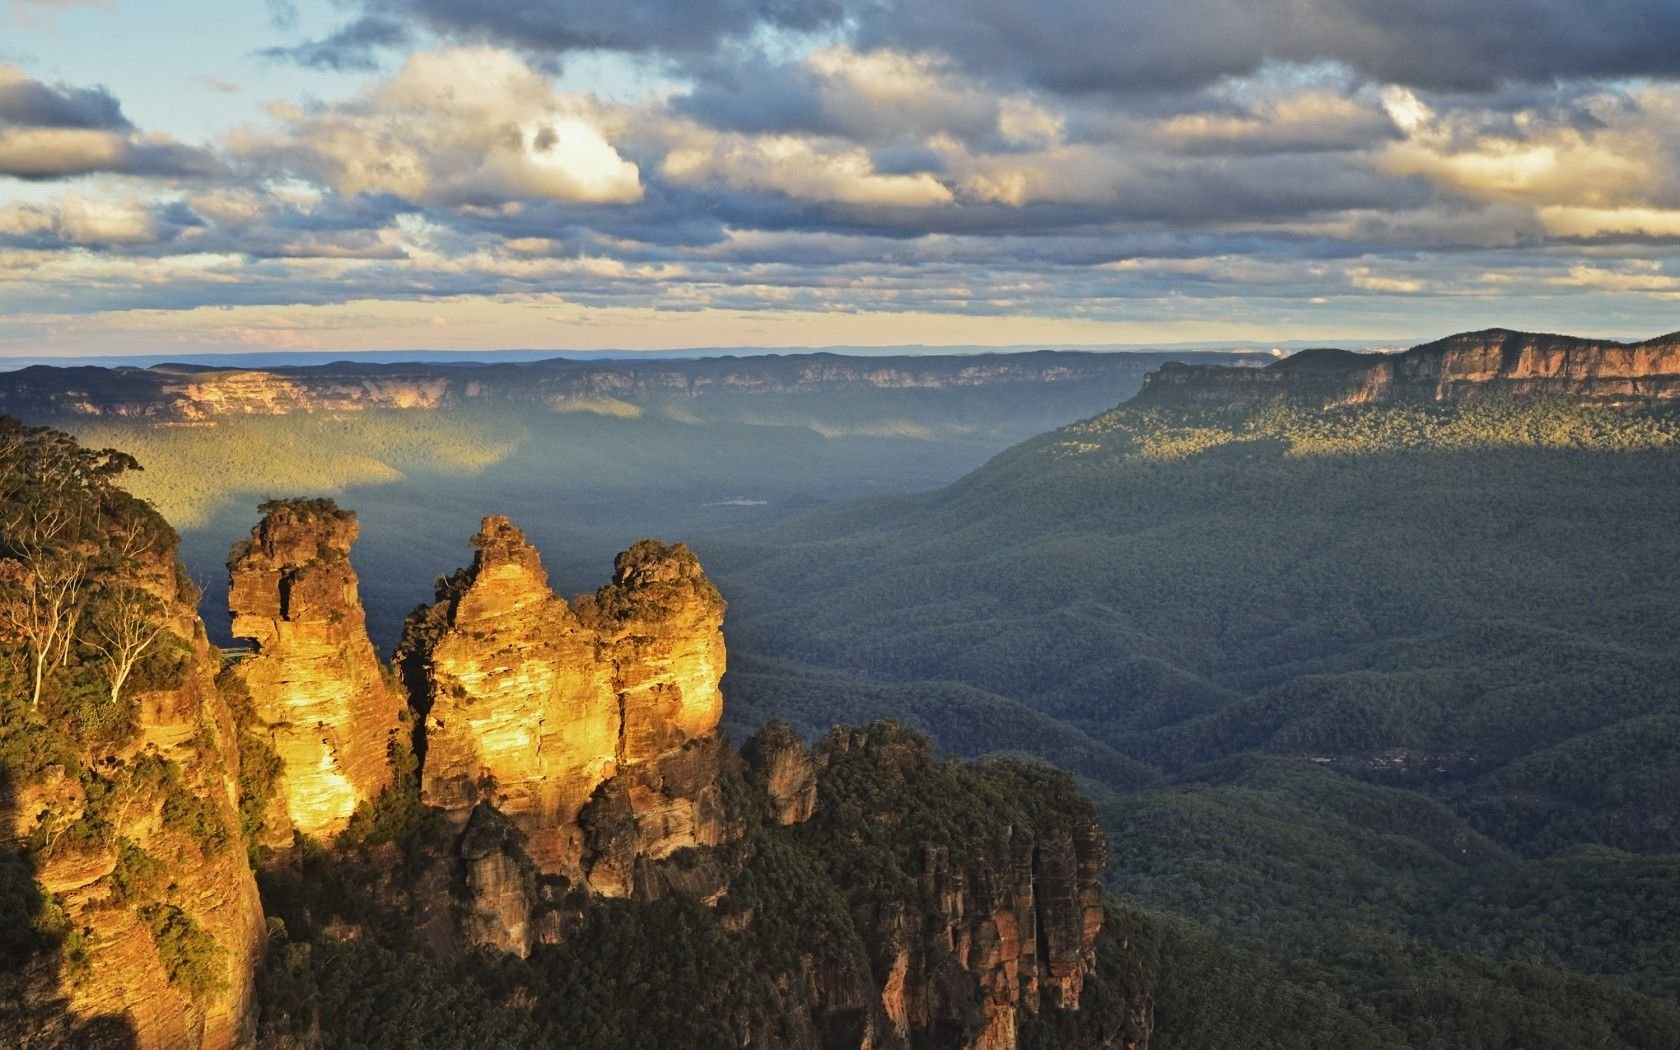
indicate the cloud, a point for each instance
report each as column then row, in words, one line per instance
column 836, row 158
column 1310, row 120
column 82, row 220
column 351, row 47
column 54, row 131
column 464, row 126
column 682, row 27
column 1603, row 151
column 1083, row 46
column 1363, row 278
column 804, row 169
column 30, row 103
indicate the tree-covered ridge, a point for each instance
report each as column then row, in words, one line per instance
column 86, row 573
column 1388, row 688
column 1482, row 424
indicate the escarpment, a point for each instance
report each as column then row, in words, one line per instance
column 1472, row 364
column 313, row 678
column 966, row 935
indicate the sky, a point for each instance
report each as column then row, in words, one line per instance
column 187, row 175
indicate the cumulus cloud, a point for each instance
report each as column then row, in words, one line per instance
column 453, row 127
column 30, row 103
column 52, row 131
column 1602, row 165
column 800, row 168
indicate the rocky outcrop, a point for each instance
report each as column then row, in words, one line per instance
column 999, row 924
column 780, row 765
column 330, row 708
column 1473, row 364
column 589, row 726
column 518, row 702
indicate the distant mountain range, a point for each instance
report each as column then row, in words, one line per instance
column 195, row 392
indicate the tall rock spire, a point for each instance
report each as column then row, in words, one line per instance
column 314, row 679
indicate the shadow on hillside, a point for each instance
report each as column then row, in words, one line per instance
column 34, row 1010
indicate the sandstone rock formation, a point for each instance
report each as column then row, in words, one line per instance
column 781, row 766
column 133, row 841
column 1472, row 364
column 313, row 676
column 519, row 704
column 591, row 729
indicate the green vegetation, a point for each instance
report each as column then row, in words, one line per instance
column 259, row 765
column 674, row 972
column 192, row 958
column 1386, row 695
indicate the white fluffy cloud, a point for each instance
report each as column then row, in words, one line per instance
column 459, row 126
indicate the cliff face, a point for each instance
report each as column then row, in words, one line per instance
column 592, row 730
column 1473, row 364
column 119, row 819
column 995, row 926
column 519, row 705
column 313, row 677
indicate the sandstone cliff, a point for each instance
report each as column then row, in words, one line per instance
column 1473, row 364
column 313, row 677
column 119, row 818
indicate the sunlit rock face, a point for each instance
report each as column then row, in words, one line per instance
column 520, row 708
column 313, row 677
column 592, row 729
column 118, row 993
column 1457, row 368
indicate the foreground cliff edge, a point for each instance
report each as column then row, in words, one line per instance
column 533, row 776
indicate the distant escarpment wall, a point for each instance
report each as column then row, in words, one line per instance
column 1495, row 362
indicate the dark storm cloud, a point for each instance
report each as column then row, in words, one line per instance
column 34, row 104
column 1079, row 46
column 352, row 47
column 671, row 26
